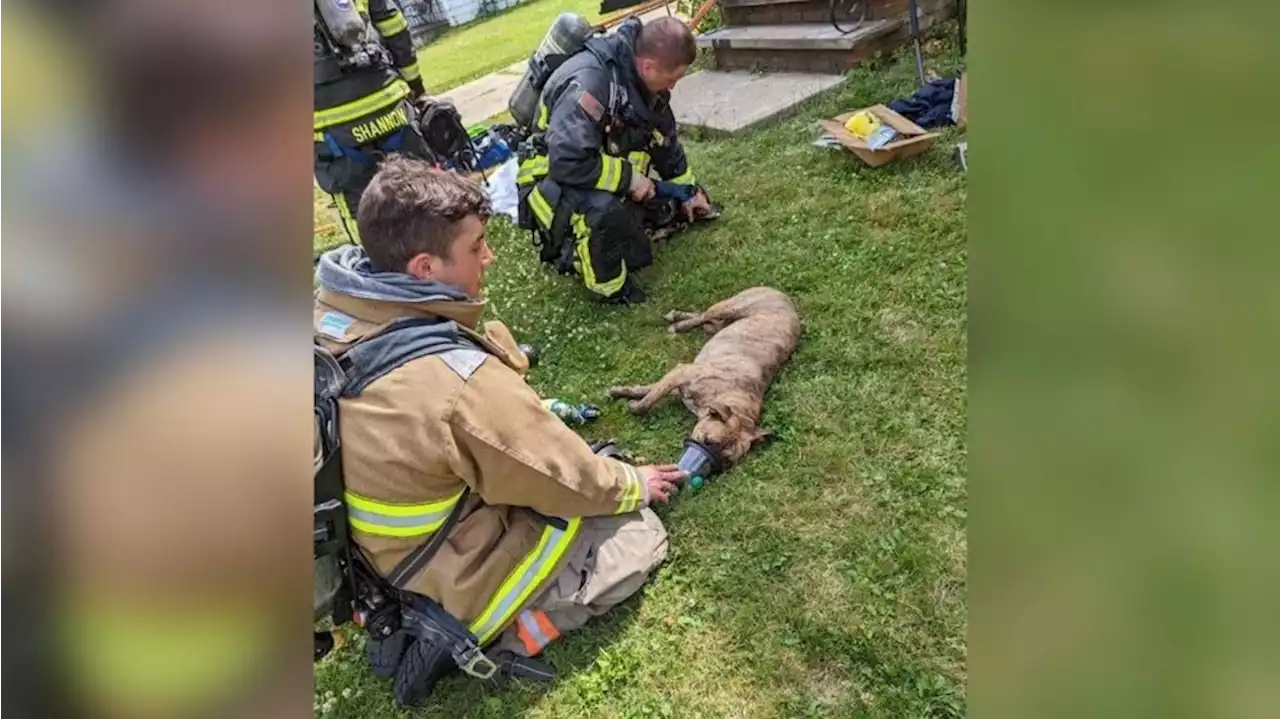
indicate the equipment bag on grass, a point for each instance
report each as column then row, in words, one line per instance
column 441, row 126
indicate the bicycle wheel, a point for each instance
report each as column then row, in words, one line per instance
column 847, row 15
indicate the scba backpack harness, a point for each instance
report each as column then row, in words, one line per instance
column 412, row 638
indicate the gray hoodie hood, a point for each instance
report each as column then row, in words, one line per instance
column 347, row 270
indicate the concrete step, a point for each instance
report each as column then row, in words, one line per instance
column 806, row 36
column 730, row 102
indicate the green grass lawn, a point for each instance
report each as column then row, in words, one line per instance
column 825, row 576
column 479, row 48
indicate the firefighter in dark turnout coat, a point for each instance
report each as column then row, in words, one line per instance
column 604, row 124
column 364, row 110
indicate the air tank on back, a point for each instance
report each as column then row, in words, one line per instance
column 343, row 20
column 565, row 37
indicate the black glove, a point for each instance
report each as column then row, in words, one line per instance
column 386, row 654
column 609, row 448
column 324, row 644
column 531, row 352
column 418, row 90
column 423, row 665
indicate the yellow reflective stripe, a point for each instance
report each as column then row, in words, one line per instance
column 319, row 137
column 636, row 487
column 367, row 105
column 584, row 261
column 631, row 492
column 383, row 530
column 610, row 173
column 543, row 113
column 348, row 219
column 397, row 520
column 579, row 222
column 640, row 489
column 524, row 580
column 541, row 208
column 392, row 25
column 658, row 138
column 400, row 510
column 411, row 72
column 639, row 161
column 533, row 169
column 684, row 178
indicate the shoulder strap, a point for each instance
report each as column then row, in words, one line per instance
column 372, row 358
column 414, row 561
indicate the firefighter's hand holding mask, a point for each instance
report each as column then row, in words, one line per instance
column 642, row 188
column 663, row 481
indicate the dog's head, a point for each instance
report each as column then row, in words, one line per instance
column 728, row 433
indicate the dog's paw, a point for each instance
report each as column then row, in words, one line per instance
column 635, row 406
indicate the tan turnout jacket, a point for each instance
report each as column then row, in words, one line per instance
column 419, row 434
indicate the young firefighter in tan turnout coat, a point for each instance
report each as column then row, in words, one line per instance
column 551, row 534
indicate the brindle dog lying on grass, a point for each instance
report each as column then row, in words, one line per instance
column 753, row 334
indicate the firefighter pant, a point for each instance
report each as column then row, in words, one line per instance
column 605, row 234
column 613, row 558
column 344, row 175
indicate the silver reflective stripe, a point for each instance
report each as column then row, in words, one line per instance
column 531, row 625
column 387, row 520
column 464, row 362
column 534, row 567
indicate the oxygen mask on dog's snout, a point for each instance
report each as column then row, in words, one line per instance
column 698, row 461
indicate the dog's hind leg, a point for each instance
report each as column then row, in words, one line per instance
column 713, row 320
column 683, row 321
column 674, row 380
column 676, row 316
column 635, row 392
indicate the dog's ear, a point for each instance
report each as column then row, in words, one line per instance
column 717, row 411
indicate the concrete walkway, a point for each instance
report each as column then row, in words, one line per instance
column 481, row 100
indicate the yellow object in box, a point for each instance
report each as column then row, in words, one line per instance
column 862, row 124
column 911, row 138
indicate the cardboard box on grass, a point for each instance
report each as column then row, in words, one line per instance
column 912, row 140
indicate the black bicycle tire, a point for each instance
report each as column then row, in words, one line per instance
column 833, row 5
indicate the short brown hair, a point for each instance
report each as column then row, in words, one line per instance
column 667, row 40
column 410, row 207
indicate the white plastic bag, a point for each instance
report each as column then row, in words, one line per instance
column 502, row 189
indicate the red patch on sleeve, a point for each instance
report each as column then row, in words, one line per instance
column 591, row 106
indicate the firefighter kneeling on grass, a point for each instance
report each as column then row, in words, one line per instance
column 549, row 533
column 603, row 122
